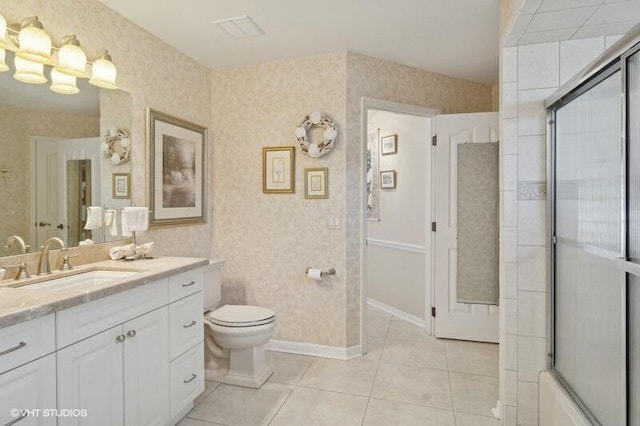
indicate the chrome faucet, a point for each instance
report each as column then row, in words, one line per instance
column 43, row 266
column 12, row 239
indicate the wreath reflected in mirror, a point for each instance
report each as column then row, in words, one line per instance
column 316, row 119
column 117, row 146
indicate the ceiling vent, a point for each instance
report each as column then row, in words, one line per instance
column 240, row 27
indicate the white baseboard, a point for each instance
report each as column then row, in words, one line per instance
column 311, row 349
column 397, row 312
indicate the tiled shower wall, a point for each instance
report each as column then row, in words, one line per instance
column 529, row 74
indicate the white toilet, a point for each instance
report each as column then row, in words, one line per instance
column 235, row 336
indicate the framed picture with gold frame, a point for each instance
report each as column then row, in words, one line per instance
column 121, row 185
column 316, row 183
column 177, row 170
column 278, row 169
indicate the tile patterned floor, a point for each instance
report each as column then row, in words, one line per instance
column 407, row 378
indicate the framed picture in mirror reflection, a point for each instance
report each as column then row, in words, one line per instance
column 121, row 185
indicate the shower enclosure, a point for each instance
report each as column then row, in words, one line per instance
column 594, row 217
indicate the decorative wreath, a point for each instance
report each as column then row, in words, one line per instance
column 117, row 146
column 315, row 119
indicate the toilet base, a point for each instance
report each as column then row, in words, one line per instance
column 248, row 367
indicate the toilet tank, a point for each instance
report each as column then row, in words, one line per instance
column 211, row 285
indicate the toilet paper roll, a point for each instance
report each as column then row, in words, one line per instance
column 315, row 274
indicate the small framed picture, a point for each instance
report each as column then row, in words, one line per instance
column 121, row 185
column 388, row 179
column 389, row 144
column 278, row 170
column 316, row 183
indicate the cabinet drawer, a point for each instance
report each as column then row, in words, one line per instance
column 184, row 284
column 185, row 324
column 26, row 341
column 30, row 387
column 187, row 379
column 85, row 320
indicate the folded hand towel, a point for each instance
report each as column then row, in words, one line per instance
column 110, row 222
column 94, row 218
column 134, row 219
column 121, row 251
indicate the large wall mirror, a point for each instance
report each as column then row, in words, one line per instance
column 51, row 165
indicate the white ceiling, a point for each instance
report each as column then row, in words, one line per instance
column 542, row 21
column 456, row 38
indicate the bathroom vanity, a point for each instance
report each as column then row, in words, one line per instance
column 122, row 346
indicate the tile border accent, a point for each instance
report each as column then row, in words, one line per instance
column 322, row 351
column 397, row 312
column 532, row 190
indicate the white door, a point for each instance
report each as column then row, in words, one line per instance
column 78, row 149
column 90, row 377
column 465, row 321
column 46, row 189
column 32, row 386
column 146, row 369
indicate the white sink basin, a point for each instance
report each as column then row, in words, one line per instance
column 88, row 279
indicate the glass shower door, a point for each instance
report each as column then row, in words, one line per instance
column 589, row 287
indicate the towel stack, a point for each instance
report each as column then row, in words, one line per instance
column 134, row 219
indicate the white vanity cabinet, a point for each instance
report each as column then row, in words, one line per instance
column 134, row 358
column 120, row 376
column 27, row 371
column 31, row 386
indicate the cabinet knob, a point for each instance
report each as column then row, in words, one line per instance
column 131, row 333
column 120, row 338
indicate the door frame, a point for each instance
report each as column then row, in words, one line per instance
column 429, row 113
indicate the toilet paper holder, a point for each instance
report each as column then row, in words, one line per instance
column 331, row 271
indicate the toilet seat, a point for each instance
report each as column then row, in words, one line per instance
column 241, row 316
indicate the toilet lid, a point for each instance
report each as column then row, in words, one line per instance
column 241, row 316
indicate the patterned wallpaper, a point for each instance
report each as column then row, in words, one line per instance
column 269, row 240
column 17, row 126
column 155, row 74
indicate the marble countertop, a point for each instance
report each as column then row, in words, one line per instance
column 18, row 304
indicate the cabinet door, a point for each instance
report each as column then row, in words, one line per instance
column 30, row 387
column 146, row 369
column 90, row 378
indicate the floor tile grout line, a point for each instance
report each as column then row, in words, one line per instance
column 453, row 406
column 282, row 405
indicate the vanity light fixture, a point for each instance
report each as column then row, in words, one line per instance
column 33, row 49
column 29, row 72
column 34, row 43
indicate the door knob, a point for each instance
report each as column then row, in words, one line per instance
column 61, row 226
column 43, row 224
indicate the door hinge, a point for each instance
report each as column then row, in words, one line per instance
column 433, row 311
column 433, row 227
column 434, row 140
column 554, row 240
